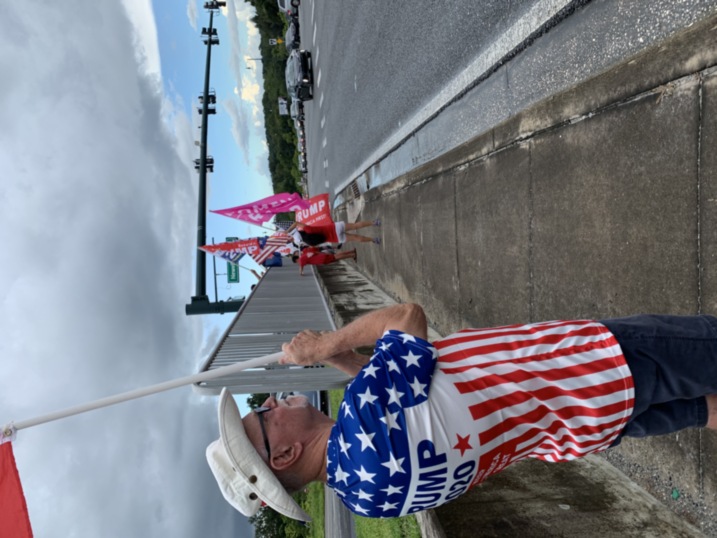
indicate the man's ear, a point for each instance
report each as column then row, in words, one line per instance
column 286, row 456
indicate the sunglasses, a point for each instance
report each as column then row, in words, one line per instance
column 259, row 413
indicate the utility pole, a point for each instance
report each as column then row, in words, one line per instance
column 200, row 301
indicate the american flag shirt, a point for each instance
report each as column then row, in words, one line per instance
column 421, row 424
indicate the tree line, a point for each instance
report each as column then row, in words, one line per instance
column 280, row 133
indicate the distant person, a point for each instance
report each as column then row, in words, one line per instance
column 273, row 261
column 422, row 423
column 332, row 233
column 316, row 256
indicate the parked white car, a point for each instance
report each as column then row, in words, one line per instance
column 288, row 7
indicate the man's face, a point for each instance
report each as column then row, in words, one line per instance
column 284, row 423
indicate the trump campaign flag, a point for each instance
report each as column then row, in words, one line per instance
column 233, row 250
column 262, row 210
column 14, row 519
column 317, row 211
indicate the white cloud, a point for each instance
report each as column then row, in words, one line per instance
column 146, row 45
column 192, row 13
column 247, row 117
column 251, row 93
column 98, row 222
column 240, row 125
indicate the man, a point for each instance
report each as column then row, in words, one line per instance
column 420, row 424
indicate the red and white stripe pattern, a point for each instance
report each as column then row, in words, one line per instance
column 555, row 391
column 274, row 242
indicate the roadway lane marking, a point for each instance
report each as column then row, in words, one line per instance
column 323, row 121
column 355, row 85
column 318, row 80
column 326, row 164
column 313, row 7
column 321, row 102
column 313, row 39
column 316, row 59
column 323, row 144
column 539, row 14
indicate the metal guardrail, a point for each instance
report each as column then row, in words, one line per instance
column 282, row 304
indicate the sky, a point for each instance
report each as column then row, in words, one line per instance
column 98, row 222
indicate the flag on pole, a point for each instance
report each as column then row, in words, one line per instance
column 317, row 211
column 274, row 242
column 262, row 210
column 233, row 251
column 14, row 518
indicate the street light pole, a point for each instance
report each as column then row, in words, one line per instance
column 200, row 301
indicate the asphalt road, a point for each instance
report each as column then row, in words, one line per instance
column 428, row 76
column 377, row 62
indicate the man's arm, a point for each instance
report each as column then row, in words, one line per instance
column 310, row 347
column 348, row 362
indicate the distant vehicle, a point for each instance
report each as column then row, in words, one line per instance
column 292, row 39
column 288, row 7
column 299, row 76
column 303, row 165
column 297, row 110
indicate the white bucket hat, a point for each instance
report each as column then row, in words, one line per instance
column 243, row 477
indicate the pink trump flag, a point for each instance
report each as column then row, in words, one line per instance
column 262, row 210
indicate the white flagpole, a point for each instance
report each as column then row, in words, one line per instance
column 8, row 430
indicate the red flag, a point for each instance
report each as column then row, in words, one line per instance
column 278, row 240
column 14, row 519
column 318, row 213
column 233, row 250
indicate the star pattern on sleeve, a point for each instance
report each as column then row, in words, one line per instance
column 411, row 359
column 394, row 396
column 388, row 506
column 394, row 465
column 391, row 421
column 370, row 458
column 408, row 338
column 365, row 439
column 360, row 509
column 367, row 397
column 418, row 387
column 370, row 370
column 364, row 475
column 391, row 490
column 344, row 445
column 341, row 476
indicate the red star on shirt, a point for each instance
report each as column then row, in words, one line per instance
column 463, row 444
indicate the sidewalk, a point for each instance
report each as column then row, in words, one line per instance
column 596, row 203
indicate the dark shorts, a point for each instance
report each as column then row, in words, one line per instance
column 673, row 360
